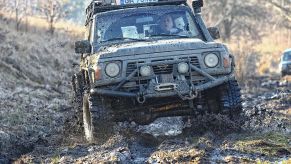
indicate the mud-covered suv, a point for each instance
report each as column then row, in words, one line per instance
column 143, row 59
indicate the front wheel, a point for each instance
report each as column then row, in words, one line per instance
column 226, row 99
column 97, row 119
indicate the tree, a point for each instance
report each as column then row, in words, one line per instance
column 3, row 4
column 53, row 11
column 283, row 7
column 77, row 14
column 236, row 17
column 19, row 8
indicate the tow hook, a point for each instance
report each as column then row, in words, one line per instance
column 141, row 99
column 193, row 93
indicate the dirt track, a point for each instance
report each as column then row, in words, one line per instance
column 37, row 123
column 265, row 136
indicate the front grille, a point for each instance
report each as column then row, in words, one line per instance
column 195, row 61
column 162, row 68
column 131, row 67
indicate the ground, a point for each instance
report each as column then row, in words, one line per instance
column 37, row 124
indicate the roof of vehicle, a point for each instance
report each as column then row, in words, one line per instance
column 287, row 50
column 99, row 6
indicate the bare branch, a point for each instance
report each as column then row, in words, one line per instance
column 284, row 9
column 53, row 11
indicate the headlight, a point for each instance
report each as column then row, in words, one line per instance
column 183, row 67
column 211, row 60
column 112, row 69
column 145, row 70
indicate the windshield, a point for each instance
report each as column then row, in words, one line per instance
column 287, row 56
column 144, row 24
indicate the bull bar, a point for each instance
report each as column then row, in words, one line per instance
column 186, row 94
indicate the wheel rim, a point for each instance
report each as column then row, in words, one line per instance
column 87, row 119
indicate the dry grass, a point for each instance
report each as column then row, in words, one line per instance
column 182, row 155
column 271, row 144
column 260, row 57
column 35, row 71
column 271, row 49
column 38, row 24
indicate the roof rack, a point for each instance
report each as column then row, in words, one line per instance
column 99, row 6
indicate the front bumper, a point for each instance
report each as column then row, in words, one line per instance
column 185, row 89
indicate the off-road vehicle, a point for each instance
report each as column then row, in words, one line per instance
column 143, row 59
column 285, row 64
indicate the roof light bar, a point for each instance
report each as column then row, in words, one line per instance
column 98, row 6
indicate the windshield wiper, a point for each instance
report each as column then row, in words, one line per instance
column 162, row 34
column 124, row 38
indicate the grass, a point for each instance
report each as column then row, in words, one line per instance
column 55, row 159
column 189, row 155
column 269, row 144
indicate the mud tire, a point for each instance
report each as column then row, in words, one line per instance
column 226, row 99
column 97, row 118
column 78, row 89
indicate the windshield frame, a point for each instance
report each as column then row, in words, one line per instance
column 121, row 11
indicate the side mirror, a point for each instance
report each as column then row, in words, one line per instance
column 214, row 32
column 82, row 47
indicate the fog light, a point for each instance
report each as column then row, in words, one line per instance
column 145, row 70
column 183, row 68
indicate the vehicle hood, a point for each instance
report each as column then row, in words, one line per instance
column 136, row 48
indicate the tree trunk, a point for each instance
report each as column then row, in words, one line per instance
column 227, row 31
column 227, row 25
column 51, row 28
column 16, row 19
column 26, row 14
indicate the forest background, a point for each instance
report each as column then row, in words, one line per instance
column 257, row 31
